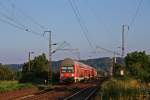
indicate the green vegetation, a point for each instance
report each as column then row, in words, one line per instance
column 7, row 79
column 138, row 65
column 117, row 69
column 38, row 71
column 6, row 86
column 135, row 81
column 134, row 85
column 6, row 73
column 123, row 89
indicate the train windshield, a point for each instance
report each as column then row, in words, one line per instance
column 69, row 69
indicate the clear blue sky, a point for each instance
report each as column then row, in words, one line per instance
column 103, row 18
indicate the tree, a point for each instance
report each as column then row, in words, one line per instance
column 6, row 73
column 38, row 71
column 117, row 70
column 39, row 64
column 138, row 64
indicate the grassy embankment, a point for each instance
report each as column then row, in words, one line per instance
column 6, row 86
column 123, row 90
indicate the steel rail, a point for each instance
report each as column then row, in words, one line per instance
column 84, row 94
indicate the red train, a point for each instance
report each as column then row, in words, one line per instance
column 75, row 71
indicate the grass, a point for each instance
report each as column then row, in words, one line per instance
column 123, row 89
column 6, row 86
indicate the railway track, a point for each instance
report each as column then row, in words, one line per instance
column 84, row 94
column 79, row 91
column 47, row 94
column 32, row 95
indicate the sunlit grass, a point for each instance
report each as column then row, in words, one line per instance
column 12, row 85
column 123, row 89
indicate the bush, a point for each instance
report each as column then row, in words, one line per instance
column 6, row 73
column 6, row 86
column 122, row 88
column 138, row 64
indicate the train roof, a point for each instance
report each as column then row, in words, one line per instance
column 71, row 62
column 67, row 62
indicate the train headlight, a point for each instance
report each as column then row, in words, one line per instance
column 72, row 75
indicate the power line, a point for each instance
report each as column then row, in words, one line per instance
column 97, row 17
column 19, row 23
column 18, row 27
column 15, row 23
column 78, row 17
column 136, row 13
column 8, row 17
column 11, row 19
column 84, row 28
column 27, row 16
column 11, row 24
column 105, row 26
column 107, row 50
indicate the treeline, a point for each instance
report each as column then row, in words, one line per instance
column 37, row 72
column 137, row 66
column 131, row 80
column 6, row 73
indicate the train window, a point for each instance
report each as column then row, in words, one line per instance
column 69, row 69
column 64, row 69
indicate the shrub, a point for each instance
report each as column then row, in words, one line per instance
column 122, row 88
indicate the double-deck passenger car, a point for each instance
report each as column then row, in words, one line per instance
column 76, row 71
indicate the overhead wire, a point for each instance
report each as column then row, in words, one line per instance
column 11, row 24
column 8, row 17
column 15, row 23
column 136, row 13
column 78, row 17
column 84, row 28
column 97, row 18
column 135, row 16
column 21, row 28
column 107, row 50
column 11, row 19
column 27, row 16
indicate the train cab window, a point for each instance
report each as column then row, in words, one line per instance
column 64, row 69
column 69, row 69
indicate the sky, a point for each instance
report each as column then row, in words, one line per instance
column 103, row 19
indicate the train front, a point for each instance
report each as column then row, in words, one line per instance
column 67, row 71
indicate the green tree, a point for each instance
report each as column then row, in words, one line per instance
column 138, row 64
column 6, row 73
column 38, row 70
column 117, row 69
column 39, row 64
